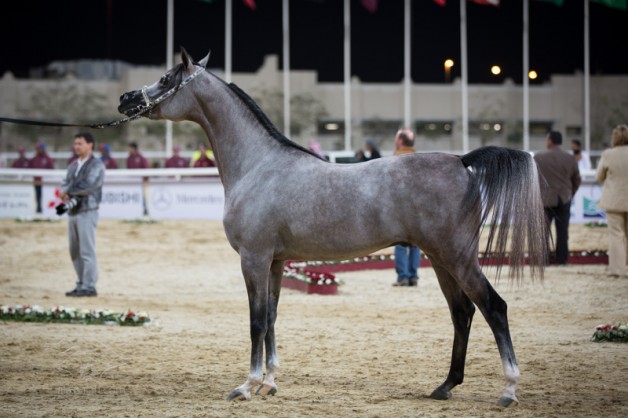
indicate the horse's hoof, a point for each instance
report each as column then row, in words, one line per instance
column 506, row 401
column 238, row 395
column 266, row 390
column 441, row 394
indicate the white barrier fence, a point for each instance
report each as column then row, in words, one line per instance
column 185, row 193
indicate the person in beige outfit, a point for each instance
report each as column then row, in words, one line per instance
column 612, row 172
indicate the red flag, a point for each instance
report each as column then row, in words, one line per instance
column 250, row 4
column 440, row 2
column 487, row 2
column 370, row 5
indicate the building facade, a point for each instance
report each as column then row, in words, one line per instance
column 495, row 111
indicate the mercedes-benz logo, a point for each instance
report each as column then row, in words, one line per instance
column 160, row 198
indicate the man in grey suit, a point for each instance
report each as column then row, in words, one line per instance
column 81, row 192
column 560, row 179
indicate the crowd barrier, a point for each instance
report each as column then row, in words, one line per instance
column 185, row 193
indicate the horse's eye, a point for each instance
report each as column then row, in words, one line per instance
column 165, row 79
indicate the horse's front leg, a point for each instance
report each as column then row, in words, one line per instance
column 256, row 273
column 269, row 387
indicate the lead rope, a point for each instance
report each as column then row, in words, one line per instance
column 140, row 109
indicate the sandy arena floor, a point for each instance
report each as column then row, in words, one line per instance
column 372, row 350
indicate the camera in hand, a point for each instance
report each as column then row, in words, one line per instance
column 70, row 204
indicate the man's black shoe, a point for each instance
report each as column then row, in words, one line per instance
column 71, row 293
column 82, row 293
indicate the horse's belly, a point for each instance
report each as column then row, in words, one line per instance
column 332, row 244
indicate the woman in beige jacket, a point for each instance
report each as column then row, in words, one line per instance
column 612, row 172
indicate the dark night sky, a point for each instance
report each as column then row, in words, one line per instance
column 36, row 32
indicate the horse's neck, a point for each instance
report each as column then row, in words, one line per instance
column 238, row 138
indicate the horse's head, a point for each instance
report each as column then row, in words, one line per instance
column 147, row 101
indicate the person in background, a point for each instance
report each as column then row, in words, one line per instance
column 176, row 161
column 202, row 150
column 582, row 157
column 407, row 257
column 105, row 156
column 81, row 193
column 204, row 161
column 22, row 161
column 612, row 172
column 560, row 179
column 41, row 160
column 315, row 146
column 371, row 152
column 135, row 159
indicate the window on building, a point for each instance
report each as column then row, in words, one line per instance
column 573, row 131
column 331, row 127
column 540, row 128
column 434, row 127
column 378, row 128
column 486, row 127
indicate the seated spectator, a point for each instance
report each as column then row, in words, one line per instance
column 40, row 160
column 106, row 158
column 22, row 161
column 202, row 150
column 204, row 161
column 135, row 159
column 176, row 161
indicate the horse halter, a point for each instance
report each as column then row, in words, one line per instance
column 148, row 105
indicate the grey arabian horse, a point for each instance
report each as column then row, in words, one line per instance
column 284, row 203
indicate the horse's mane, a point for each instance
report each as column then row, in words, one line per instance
column 266, row 123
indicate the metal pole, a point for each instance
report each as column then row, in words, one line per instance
column 228, row 30
column 465, row 93
column 407, row 69
column 347, row 73
column 286, row 68
column 526, row 81
column 587, row 74
column 169, row 65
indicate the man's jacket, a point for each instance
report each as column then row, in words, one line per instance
column 86, row 185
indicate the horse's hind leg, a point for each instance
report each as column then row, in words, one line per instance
column 256, row 273
column 269, row 387
column 494, row 309
column 462, row 310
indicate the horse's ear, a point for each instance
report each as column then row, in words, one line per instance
column 204, row 61
column 186, row 59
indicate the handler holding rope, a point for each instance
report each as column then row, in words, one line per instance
column 81, row 192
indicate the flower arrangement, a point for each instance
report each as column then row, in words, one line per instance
column 596, row 224
column 140, row 221
column 34, row 219
column 64, row 314
column 299, row 271
column 612, row 333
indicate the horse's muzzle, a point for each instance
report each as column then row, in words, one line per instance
column 129, row 102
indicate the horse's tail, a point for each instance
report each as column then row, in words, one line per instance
column 505, row 186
